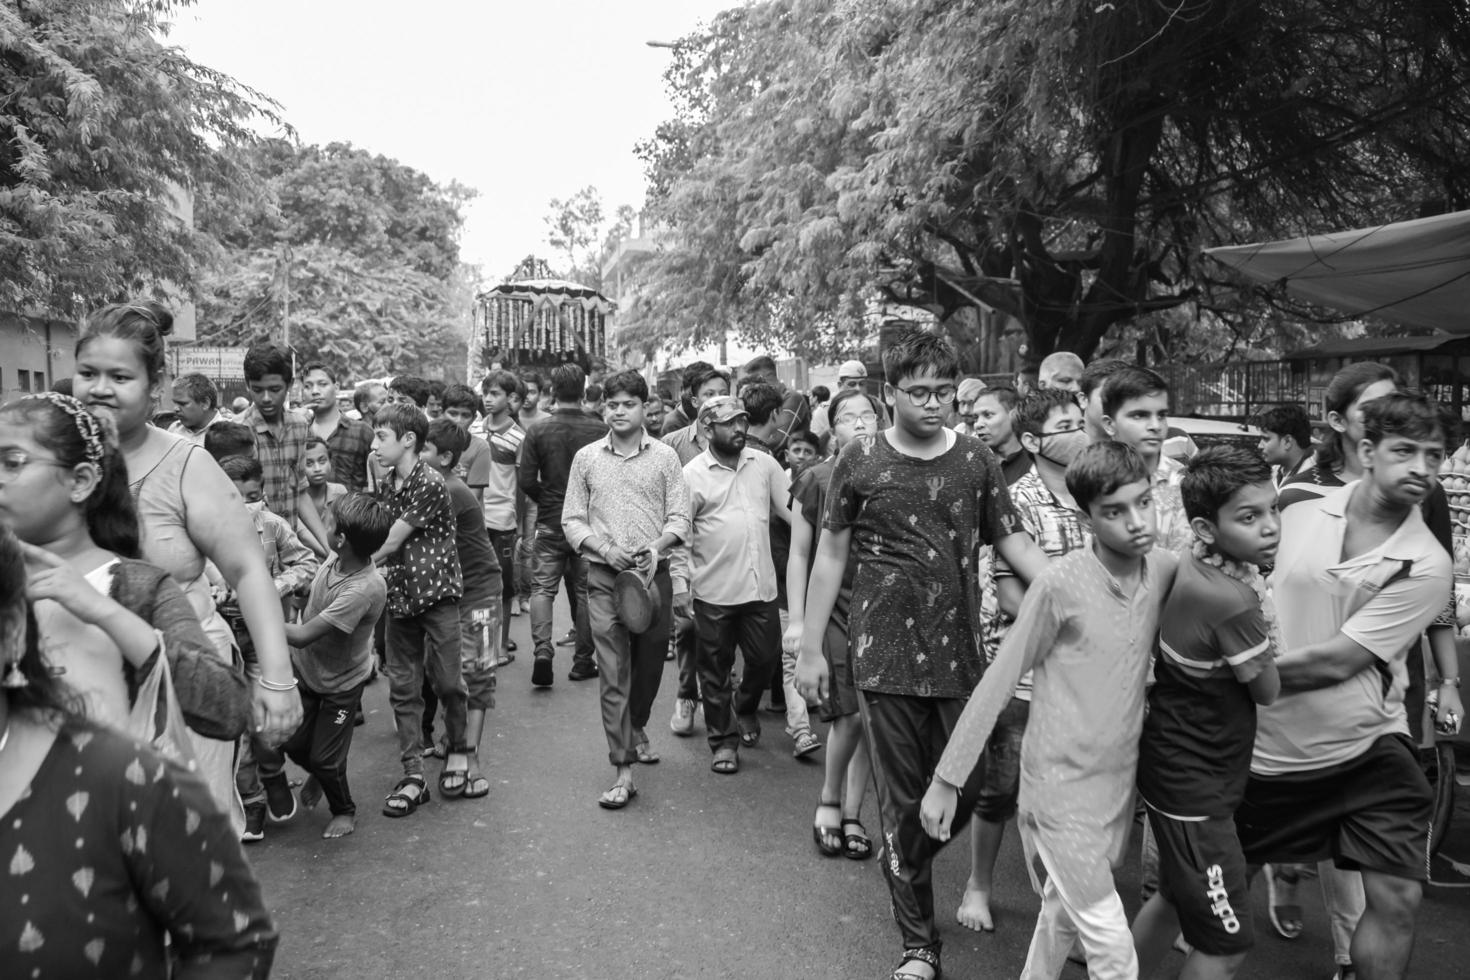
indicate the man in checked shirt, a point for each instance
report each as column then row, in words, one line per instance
column 626, row 507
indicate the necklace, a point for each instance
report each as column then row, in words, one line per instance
column 1252, row 577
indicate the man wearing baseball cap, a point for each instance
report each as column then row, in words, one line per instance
column 726, row 578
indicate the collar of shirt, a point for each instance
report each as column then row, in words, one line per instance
column 396, row 483
column 1169, row 471
column 712, row 463
column 1404, row 544
column 644, row 441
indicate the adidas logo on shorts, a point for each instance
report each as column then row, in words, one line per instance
column 1220, row 900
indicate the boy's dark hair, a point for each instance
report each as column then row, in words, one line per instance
column 626, row 383
column 762, row 366
column 229, row 439
column 267, row 358
column 1004, row 394
column 403, row 419
column 568, row 383
column 821, row 393
column 1029, row 415
column 1409, row 415
column 461, row 396
column 1213, row 474
column 698, row 374
column 198, row 388
column 323, row 368
column 242, row 469
column 363, row 521
column 834, row 407
column 593, row 393
column 1129, row 383
column 805, row 435
column 529, row 377
column 436, row 390
column 506, row 381
column 454, row 443
column 415, row 389
column 314, row 441
column 1286, row 420
column 918, row 352
column 761, row 400
column 1098, row 372
column 1102, row 468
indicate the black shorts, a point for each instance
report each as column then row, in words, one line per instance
column 1203, row 875
column 842, row 697
column 1370, row 813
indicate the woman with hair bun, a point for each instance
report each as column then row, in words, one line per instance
column 189, row 513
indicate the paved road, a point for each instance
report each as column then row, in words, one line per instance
column 702, row 876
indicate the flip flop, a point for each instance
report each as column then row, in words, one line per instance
column 645, row 754
column 619, row 796
column 827, row 834
column 727, row 762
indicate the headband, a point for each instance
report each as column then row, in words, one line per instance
column 86, row 423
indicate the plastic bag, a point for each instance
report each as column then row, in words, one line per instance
column 155, row 716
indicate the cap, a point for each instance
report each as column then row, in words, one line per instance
column 852, row 369
column 721, row 409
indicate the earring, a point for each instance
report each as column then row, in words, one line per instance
column 15, row 679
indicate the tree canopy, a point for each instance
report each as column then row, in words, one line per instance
column 1062, row 163
column 359, row 250
column 104, row 130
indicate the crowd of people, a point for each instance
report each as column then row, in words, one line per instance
column 1003, row 603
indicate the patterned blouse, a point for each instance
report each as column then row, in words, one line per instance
column 110, row 850
column 426, row 569
column 917, row 527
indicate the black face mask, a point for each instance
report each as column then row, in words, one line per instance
column 1065, row 446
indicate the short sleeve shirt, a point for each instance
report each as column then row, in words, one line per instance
column 279, row 451
column 474, row 464
column 426, row 569
column 1195, row 754
column 499, row 501
column 1381, row 599
column 809, row 499
column 350, row 603
column 917, row 527
column 730, row 513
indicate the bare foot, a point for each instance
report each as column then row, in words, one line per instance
column 340, row 826
column 311, row 795
column 974, row 910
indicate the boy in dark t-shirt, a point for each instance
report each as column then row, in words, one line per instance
column 1215, row 664
column 914, row 504
column 480, row 607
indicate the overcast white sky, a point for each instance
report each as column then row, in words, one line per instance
column 522, row 101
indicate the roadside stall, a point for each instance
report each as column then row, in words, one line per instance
column 538, row 323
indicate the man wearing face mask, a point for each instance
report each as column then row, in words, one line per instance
column 1048, row 422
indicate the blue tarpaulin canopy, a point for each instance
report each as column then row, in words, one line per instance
column 1416, row 273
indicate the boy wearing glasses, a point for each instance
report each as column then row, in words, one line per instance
column 913, row 504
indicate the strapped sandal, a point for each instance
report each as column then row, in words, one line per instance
column 925, row 954
column 399, row 803
column 619, row 796
column 827, row 835
column 452, row 782
column 856, row 846
column 727, row 762
column 476, row 786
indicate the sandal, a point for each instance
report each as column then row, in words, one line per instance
column 619, row 796
column 727, row 762
column 452, row 782
column 828, row 835
column 927, row 955
column 1286, row 917
column 645, row 753
column 439, row 749
column 399, row 803
column 476, row 786
column 856, row 846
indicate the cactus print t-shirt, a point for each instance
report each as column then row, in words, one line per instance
column 917, row 526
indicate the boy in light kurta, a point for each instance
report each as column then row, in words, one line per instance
column 1086, row 629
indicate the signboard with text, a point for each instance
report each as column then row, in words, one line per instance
column 219, row 363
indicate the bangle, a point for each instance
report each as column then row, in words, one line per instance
column 1449, row 682
column 273, row 686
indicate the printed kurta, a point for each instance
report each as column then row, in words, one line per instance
column 1088, row 645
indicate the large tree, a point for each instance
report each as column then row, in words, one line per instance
column 1060, row 162
column 358, row 251
column 104, row 132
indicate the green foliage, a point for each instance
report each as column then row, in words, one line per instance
column 104, row 129
column 1063, row 163
column 362, row 249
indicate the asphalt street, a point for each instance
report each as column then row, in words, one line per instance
column 702, row 876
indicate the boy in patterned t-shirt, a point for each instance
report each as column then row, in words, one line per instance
column 1214, row 666
column 914, row 504
column 421, row 564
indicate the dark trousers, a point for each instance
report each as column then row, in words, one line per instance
column 504, row 543
column 557, row 563
column 425, row 644
column 906, row 736
column 630, row 665
column 684, row 658
column 754, row 627
column 320, row 744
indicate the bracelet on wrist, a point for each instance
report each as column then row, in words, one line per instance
column 274, row 686
column 1449, row 682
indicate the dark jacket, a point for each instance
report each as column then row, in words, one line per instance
column 546, row 461
column 213, row 694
